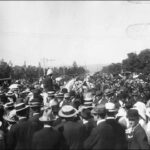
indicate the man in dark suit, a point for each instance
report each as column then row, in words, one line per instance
column 48, row 81
column 17, row 138
column 34, row 123
column 87, row 119
column 102, row 135
column 137, row 138
column 120, row 136
column 47, row 138
column 72, row 130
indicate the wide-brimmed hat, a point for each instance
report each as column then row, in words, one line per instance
column 67, row 111
column 110, row 107
column 35, row 102
column 11, row 116
column 88, row 101
column 20, row 107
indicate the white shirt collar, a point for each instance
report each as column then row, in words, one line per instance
column 110, row 117
column 35, row 114
column 99, row 121
column 47, row 126
column 21, row 117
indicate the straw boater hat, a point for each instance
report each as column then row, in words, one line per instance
column 35, row 102
column 67, row 111
column 20, row 107
column 110, row 107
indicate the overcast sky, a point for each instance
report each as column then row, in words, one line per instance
column 88, row 32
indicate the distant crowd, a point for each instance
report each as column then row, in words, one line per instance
column 96, row 112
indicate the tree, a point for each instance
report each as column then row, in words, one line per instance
column 5, row 69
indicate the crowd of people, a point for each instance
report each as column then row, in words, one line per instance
column 99, row 112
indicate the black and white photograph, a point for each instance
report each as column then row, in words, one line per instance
column 74, row 75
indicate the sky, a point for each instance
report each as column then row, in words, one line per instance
column 88, row 32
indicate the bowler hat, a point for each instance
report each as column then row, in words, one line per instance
column 132, row 114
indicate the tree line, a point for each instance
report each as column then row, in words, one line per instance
column 32, row 73
column 138, row 63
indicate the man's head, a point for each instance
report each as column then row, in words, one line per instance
column 111, row 110
column 133, row 117
column 99, row 112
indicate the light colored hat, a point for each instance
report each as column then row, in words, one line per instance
column 14, row 86
column 110, row 107
column 35, row 102
column 67, row 111
column 49, row 72
column 88, row 100
column 20, row 107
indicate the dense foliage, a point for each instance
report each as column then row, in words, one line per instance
column 139, row 63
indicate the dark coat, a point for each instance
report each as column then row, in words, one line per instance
column 17, row 136
column 47, row 138
column 34, row 126
column 101, row 137
column 139, row 140
column 48, row 84
column 73, row 132
column 120, row 136
column 89, row 127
